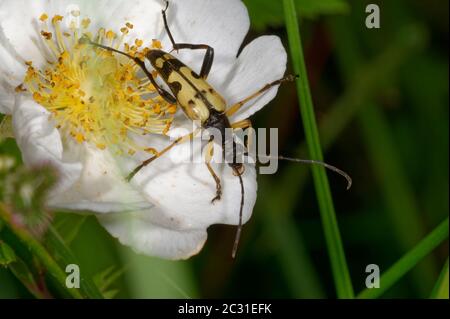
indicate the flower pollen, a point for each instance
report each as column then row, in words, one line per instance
column 94, row 95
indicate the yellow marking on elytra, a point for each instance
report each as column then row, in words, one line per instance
column 159, row 63
column 185, row 97
column 214, row 98
column 194, row 90
column 168, row 56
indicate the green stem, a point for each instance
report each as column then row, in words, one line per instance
column 440, row 290
column 339, row 267
column 408, row 261
column 37, row 250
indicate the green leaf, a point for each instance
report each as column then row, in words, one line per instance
column 7, row 254
column 335, row 247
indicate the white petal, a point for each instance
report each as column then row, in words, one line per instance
column 101, row 187
column 20, row 38
column 145, row 15
column 6, row 100
column 220, row 24
column 217, row 23
column 25, row 43
column 89, row 178
column 40, row 142
column 261, row 62
column 175, row 175
column 146, row 237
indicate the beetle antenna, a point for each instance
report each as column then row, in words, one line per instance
column 239, row 227
column 140, row 63
column 86, row 40
column 167, row 6
column 314, row 162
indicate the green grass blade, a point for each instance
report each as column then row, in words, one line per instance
column 38, row 251
column 408, row 261
column 440, row 290
column 339, row 267
column 66, row 257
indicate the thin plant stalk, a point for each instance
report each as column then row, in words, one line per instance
column 341, row 275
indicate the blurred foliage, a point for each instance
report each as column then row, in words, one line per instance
column 7, row 254
column 25, row 191
column 381, row 101
column 105, row 279
column 269, row 13
column 6, row 130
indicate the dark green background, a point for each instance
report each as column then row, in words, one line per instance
column 381, row 101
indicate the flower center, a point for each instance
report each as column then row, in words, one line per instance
column 94, row 95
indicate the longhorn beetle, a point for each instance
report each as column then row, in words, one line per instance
column 201, row 102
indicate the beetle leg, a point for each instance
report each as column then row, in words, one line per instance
column 179, row 140
column 243, row 125
column 234, row 108
column 162, row 92
column 207, row 60
column 209, row 54
column 208, row 157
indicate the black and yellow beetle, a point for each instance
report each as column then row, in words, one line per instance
column 201, row 102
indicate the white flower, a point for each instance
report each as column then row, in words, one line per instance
column 165, row 210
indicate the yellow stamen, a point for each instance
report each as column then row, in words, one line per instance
column 156, row 44
column 56, row 19
column 138, row 43
column 46, row 35
column 172, row 109
column 85, row 23
column 43, row 17
column 93, row 95
column 110, row 35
